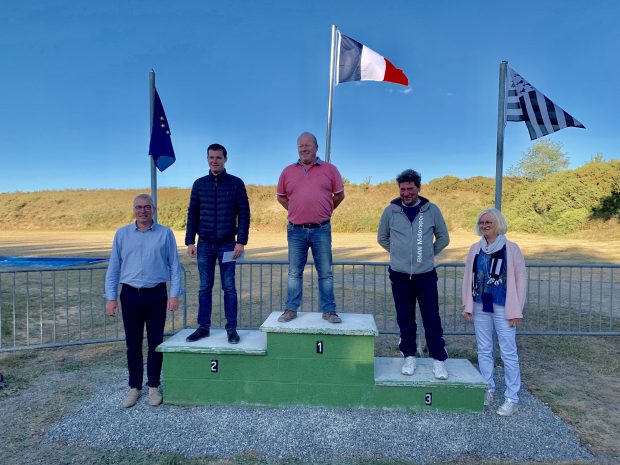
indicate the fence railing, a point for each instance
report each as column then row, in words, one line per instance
column 51, row 307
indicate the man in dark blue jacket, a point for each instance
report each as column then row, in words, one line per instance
column 219, row 212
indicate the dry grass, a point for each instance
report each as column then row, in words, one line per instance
column 577, row 376
column 346, row 246
column 44, row 384
column 528, row 206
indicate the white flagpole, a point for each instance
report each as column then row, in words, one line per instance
column 332, row 67
column 153, row 168
column 501, row 122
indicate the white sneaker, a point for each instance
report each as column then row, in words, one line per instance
column 439, row 370
column 507, row 408
column 488, row 398
column 408, row 366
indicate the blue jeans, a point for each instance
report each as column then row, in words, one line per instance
column 207, row 255
column 320, row 241
column 484, row 325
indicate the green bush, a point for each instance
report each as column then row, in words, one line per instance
column 563, row 202
column 609, row 207
column 559, row 203
column 572, row 220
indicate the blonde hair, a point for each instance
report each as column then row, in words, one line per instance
column 501, row 227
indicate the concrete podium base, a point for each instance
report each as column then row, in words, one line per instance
column 310, row 362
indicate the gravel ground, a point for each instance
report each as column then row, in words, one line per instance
column 534, row 433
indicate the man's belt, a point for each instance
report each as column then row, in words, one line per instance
column 145, row 289
column 309, row 225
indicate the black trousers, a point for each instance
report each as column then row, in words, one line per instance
column 406, row 289
column 146, row 306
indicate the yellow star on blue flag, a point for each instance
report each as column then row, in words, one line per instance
column 160, row 147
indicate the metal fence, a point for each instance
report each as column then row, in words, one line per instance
column 52, row 307
column 48, row 307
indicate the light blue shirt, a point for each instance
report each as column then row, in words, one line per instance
column 143, row 259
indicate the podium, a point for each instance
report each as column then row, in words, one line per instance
column 310, row 362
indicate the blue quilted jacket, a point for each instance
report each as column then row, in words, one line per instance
column 219, row 210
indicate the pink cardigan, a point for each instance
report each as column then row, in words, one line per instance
column 516, row 281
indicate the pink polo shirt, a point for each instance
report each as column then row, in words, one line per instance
column 309, row 193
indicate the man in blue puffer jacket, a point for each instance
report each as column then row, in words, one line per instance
column 219, row 213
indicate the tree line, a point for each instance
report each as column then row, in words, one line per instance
column 540, row 195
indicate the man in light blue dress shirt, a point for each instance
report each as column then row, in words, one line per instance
column 144, row 257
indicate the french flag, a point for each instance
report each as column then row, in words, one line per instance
column 356, row 62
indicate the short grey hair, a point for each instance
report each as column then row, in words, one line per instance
column 146, row 197
column 501, row 227
column 316, row 143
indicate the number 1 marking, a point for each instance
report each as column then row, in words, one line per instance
column 319, row 347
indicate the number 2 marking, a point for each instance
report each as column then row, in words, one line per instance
column 214, row 366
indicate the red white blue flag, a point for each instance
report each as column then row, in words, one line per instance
column 356, row 62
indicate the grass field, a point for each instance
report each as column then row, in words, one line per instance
column 346, row 246
column 579, row 377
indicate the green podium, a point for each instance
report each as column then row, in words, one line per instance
column 310, row 362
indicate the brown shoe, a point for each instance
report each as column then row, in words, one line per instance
column 332, row 317
column 131, row 398
column 287, row 316
column 155, row 397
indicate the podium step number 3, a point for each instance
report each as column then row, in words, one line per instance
column 310, row 362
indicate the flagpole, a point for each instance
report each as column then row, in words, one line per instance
column 501, row 122
column 153, row 168
column 332, row 67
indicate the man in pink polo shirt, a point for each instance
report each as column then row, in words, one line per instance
column 310, row 190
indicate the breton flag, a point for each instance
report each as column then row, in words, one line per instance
column 356, row 62
column 525, row 103
column 160, row 147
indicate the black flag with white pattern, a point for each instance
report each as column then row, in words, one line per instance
column 525, row 103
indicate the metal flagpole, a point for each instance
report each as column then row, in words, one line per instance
column 332, row 67
column 501, row 122
column 153, row 168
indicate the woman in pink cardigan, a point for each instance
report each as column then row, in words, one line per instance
column 494, row 292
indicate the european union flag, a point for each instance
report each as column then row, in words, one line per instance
column 160, row 147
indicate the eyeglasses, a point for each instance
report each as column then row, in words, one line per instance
column 146, row 208
column 485, row 223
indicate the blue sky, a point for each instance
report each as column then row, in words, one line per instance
column 252, row 75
